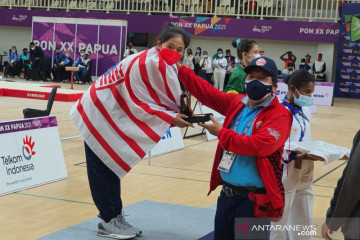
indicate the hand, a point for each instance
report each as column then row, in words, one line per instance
column 179, row 122
column 325, row 230
column 37, row 58
column 300, row 155
column 214, row 127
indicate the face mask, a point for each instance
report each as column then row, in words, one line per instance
column 319, row 58
column 205, row 56
column 220, row 55
column 58, row 53
column 170, row 56
column 303, row 101
column 197, row 50
column 254, row 56
column 257, row 90
column 81, row 54
column 86, row 56
column 307, row 60
column 13, row 50
column 25, row 52
column 189, row 53
column 67, row 54
column 33, row 48
column 302, row 63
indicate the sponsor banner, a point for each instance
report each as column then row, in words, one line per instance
column 197, row 26
column 26, row 157
column 204, row 109
column 347, row 78
column 91, row 35
column 171, row 141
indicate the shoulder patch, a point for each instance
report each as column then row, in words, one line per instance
column 274, row 133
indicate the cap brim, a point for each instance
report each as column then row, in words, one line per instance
column 249, row 68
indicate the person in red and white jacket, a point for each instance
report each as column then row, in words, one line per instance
column 251, row 141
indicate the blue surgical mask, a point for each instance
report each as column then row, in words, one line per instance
column 220, row 55
column 257, row 90
column 303, row 101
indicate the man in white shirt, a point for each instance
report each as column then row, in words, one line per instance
column 319, row 68
column 130, row 50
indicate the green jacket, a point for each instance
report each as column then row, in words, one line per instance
column 236, row 82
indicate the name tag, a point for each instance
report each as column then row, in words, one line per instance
column 226, row 161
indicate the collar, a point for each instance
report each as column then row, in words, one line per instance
column 292, row 109
column 245, row 100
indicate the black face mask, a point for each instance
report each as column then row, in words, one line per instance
column 257, row 90
column 58, row 53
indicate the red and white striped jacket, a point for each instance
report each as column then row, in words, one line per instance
column 128, row 109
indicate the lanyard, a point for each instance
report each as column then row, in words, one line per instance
column 303, row 130
column 248, row 124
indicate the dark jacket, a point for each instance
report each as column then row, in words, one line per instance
column 37, row 53
column 344, row 208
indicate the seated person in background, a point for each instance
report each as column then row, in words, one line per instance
column 59, row 61
column 289, row 70
column 305, row 66
column 290, row 59
column 24, row 61
column 319, row 68
column 68, row 64
column 12, row 67
column 83, row 63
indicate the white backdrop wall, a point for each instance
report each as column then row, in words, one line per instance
column 14, row 36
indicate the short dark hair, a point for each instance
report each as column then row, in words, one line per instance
column 170, row 31
column 298, row 78
column 245, row 45
column 205, row 52
column 320, row 54
column 227, row 50
column 189, row 49
column 57, row 49
column 82, row 50
column 32, row 43
column 25, row 49
column 219, row 49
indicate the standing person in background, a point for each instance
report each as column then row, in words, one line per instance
column 36, row 56
column 197, row 59
column 261, row 52
column 308, row 59
column 231, row 67
column 130, row 50
column 24, row 61
column 12, row 66
column 220, row 65
column 206, row 65
column 83, row 63
column 297, row 168
column 189, row 59
column 59, row 61
column 319, row 68
column 251, row 141
column 229, row 60
column 290, row 59
column 289, row 70
column 247, row 50
column 305, row 66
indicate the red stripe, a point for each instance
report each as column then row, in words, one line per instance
column 145, row 78
column 162, row 69
column 101, row 140
column 133, row 144
column 143, row 126
column 165, row 117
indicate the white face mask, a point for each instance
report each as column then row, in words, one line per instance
column 205, row 56
column 67, row 54
column 81, row 54
column 33, row 48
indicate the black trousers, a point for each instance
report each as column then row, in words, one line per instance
column 59, row 73
column 12, row 71
column 104, row 186
column 231, row 208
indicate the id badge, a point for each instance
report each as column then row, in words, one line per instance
column 226, row 161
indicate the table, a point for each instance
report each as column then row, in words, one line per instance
column 72, row 69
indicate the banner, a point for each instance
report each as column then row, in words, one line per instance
column 90, row 35
column 204, row 109
column 199, row 26
column 31, row 154
column 347, row 80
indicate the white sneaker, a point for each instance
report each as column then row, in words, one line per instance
column 113, row 229
column 123, row 221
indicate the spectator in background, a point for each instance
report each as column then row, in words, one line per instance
column 24, row 61
column 220, row 65
column 83, row 63
column 189, row 59
column 305, row 66
column 59, row 61
column 12, row 68
column 291, row 58
column 289, row 70
column 231, row 68
column 308, row 59
column 69, row 64
column 247, row 50
column 130, row 50
column 197, row 59
column 261, row 52
column 319, row 68
column 206, row 66
column 36, row 61
column 229, row 59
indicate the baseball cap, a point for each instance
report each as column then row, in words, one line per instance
column 265, row 63
column 86, row 53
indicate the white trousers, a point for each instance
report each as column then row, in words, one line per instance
column 219, row 78
column 299, row 202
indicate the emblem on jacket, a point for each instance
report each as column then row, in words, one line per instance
column 274, row 133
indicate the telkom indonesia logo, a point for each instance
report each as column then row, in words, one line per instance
column 27, row 150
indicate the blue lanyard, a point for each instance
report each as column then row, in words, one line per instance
column 303, row 130
column 249, row 123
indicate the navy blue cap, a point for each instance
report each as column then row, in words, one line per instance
column 265, row 63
